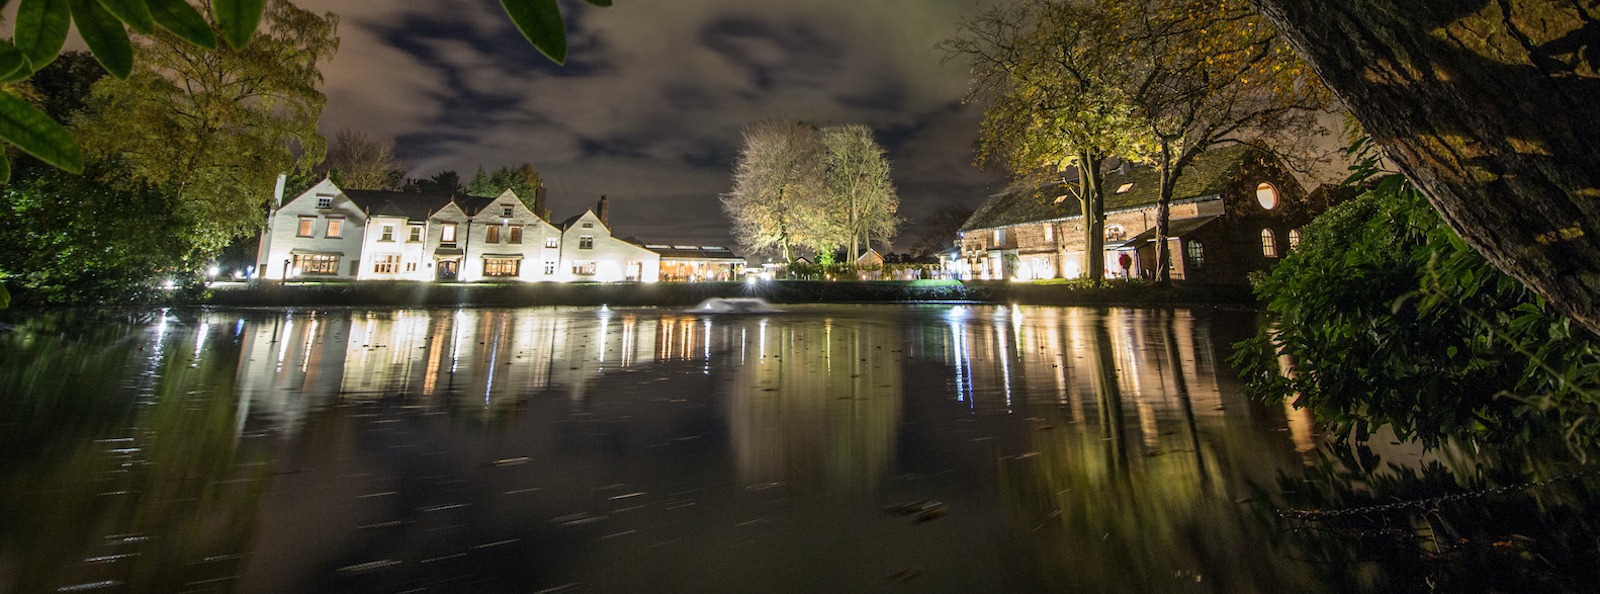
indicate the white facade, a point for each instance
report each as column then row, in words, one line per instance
column 316, row 235
column 590, row 253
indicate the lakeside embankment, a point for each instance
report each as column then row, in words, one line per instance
column 421, row 294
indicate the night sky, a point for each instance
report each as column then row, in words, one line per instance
column 649, row 106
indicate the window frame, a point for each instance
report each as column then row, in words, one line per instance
column 551, row 243
column 385, row 263
column 334, row 228
column 1269, row 243
column 514, row 234
column 585, row 242
column 502, row 267
column 386, row 233
column 416, row 234
column 447, row 233
column 491, row 234
column 583, row 267
column 307, row 228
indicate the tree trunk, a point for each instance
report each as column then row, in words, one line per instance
column 1164, row 216
column 1094, row 213
column 1490, row 108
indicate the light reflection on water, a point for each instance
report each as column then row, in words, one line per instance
column 480, row 450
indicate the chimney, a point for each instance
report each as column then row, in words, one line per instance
column 538, row 204
column 1126, row 167
column 277, row 191
column 603, row 210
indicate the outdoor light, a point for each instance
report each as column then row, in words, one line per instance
column 212, row 271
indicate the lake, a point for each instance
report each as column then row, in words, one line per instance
column 823, row 448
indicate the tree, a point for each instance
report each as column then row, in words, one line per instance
column 444, row 182
column 1053, row 75
column 778, row 198
column 216, row 127
column 480, row 185
column 1489, row 107
column 363, row 162
column 940, row 229
column 862, row 198
column 1204, row 73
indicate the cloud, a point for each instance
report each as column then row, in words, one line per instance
column 649, row 107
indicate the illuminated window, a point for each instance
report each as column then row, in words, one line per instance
column 551, row 242
column 1269, row 244
column 1115, row 233
column 505, row 212
column 585, row 243
column 501, row 267
column 516, row 234
column 307, row 225
column 411, row 266
column 416, row 234
column 388, row 233
column 335, row 227
column 324, row 200
column 386, row 263
column 1123, row 189
column 316, row 264
column 1294, row 238
column 1267, row 196
column 585, row 267
column 492, row 234
column 549, row 267
column 999, row 236
column 1197, row 254
column 448, row 233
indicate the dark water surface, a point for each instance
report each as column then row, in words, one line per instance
column 936, row 448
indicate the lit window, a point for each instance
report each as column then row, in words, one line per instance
column 551, row 242
column 324, row 200
column 388, row 233
column 1197, row 254
column 516, row 234
column 493, row 234
column 335, row 227
column 1267, row 196
column 501, row 267
column 316, row 264
column 549, row 267
column 505, row 212
column 1049, row 233
column 1269, row 244
column 416, row 234
column 1123, row 189
column 448, row 233
column 583, row 267
column 307, row 225
column 1116, row 233
column 386, row 263
column 585, row 243
column 411, row 266
column 999, row 236
column 1294, row 238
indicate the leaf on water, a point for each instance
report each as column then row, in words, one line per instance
column 42, row 30
column 133, row 12
column 31, row 130
column 178, row 18
column 238, row 19
column 540, row 22
column 104, row 35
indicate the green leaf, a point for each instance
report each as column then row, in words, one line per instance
column 238, row 19
column 11, row 61
column 177, row 17
column 133, row 12
column 34, row 132
column 42, row 29
column 5, row 167
column 20, row 73
column 540, row 22
column 104, row 35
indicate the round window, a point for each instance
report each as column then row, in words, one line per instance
column 1267, row 196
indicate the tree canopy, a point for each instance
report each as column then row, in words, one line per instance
column 779, row 199
column 360, row 162
column 861, row 197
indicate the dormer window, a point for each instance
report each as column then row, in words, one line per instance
column 324, row 200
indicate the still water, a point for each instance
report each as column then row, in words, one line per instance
column 936, row 448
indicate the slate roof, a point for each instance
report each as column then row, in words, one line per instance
column 1176, row 228
column 415, row 206
column 693, row 252
column 1208, row 175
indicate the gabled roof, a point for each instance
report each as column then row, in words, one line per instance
column 1176, row 228
column 416, row 206
column 567, row 224
column 1208, row 175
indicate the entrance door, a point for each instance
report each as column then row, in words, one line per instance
column 447, row 270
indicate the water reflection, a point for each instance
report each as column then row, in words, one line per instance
column 483, row 450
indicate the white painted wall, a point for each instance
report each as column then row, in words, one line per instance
column 281, row 239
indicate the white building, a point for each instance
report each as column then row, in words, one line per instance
column 333, row 234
